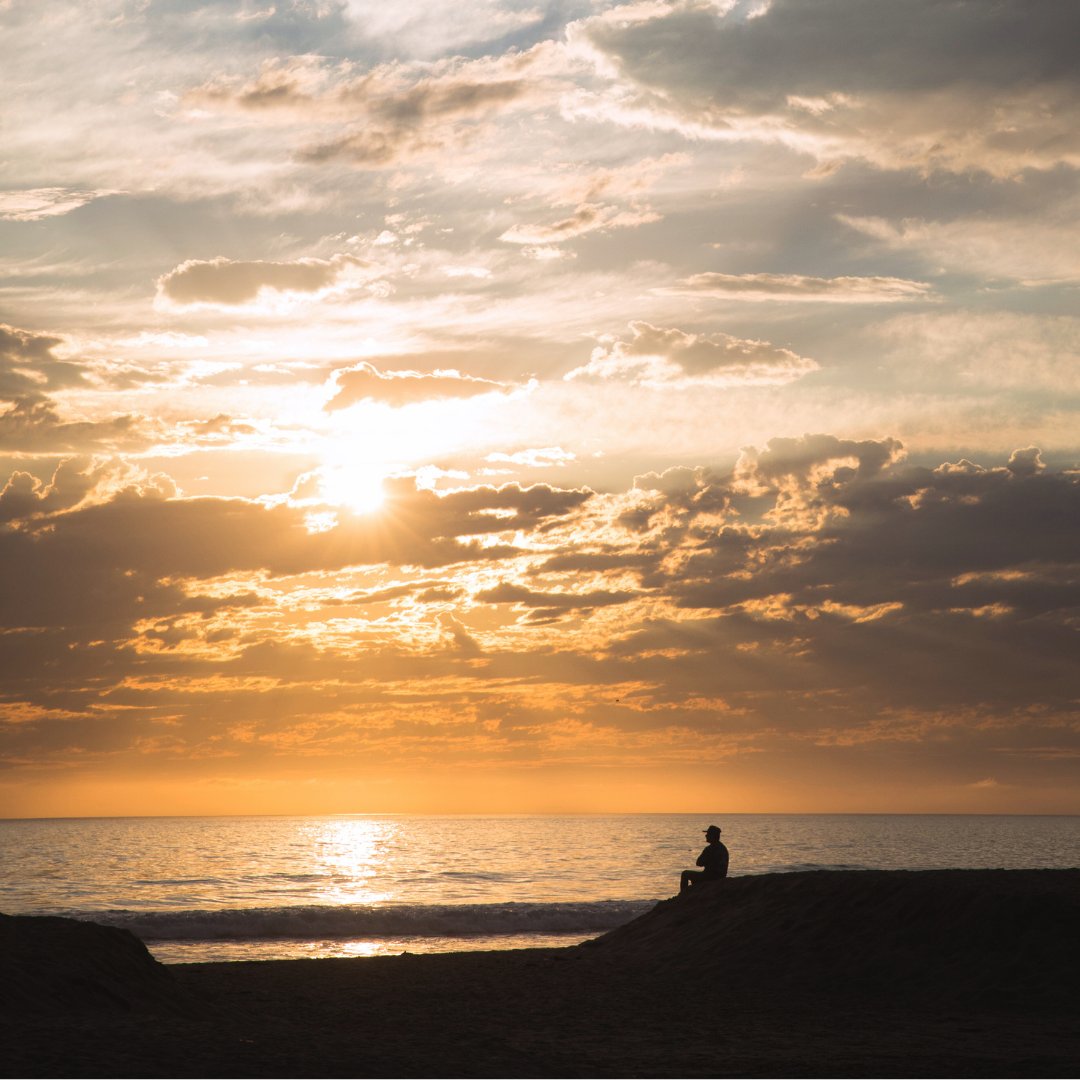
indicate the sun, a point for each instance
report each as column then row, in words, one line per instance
column 367, row 443
column 357, row 486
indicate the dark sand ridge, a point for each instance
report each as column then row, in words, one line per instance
column 944, row 937
column 931, row 973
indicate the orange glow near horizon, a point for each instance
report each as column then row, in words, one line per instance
column 533, row 791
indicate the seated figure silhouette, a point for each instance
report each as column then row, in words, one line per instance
column 714, row 860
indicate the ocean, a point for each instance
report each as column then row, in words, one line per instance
column 201, row 889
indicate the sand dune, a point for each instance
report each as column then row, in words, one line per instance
column 991, row 936
column 60, row 967
column 937, row 973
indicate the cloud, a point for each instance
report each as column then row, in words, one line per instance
column 73, row 481
column 842, row 580
column 625, row 185
column 387, row 114
column 29, row 366
column 424, row 591
column 365, row 382
column 977, row 350
column 35, row 426
column 105, row 569
column 850, row 528
column 537, row 458
column 803, row 457
column 33, row 204
column 801, row 288
column 820, row 582
column 586, row 218
column 222, row 429
column 30, row 373
column 421, row 119
column 544, row 607
column 657, row 357
column 917, row 85
column 1041, row 249
column 442, row 24
column 225, row 282
column 165, row 339
column 143, row 529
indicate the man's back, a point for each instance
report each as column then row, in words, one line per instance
column 714, row 860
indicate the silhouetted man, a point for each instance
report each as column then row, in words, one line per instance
column 714, row 860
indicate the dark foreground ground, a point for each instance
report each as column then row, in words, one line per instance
column 828, row 974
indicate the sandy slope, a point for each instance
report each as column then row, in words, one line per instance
column 943, row 973
column 941, row 937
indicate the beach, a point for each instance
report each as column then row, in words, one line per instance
column 827, row 973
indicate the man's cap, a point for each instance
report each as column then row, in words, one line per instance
column 713, row 828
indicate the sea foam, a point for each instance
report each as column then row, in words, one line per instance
column 312, row 922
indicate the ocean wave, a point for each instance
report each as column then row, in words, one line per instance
column 391, row 921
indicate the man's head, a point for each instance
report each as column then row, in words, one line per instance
column 712, row 833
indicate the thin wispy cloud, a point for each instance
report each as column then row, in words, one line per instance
column 801, row 287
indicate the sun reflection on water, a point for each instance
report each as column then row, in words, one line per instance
column 352, row 855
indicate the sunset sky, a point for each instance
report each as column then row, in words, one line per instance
column 539, row 406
